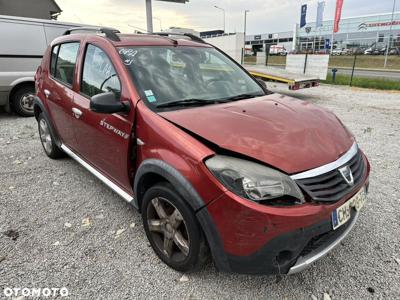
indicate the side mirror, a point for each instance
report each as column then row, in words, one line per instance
column 106, row 103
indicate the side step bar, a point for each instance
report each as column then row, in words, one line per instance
column 100, row 176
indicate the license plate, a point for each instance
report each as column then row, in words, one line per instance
column 343, row 213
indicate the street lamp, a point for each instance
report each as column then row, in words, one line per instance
column 390, row 33
column 244, row 43
column 149, row 12
column 223, row 11
column 149, row 16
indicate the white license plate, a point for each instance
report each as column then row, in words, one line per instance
column 343, row 213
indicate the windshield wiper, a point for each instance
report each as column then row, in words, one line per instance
column 188, row 102
column 195, row 101
column 241, row 97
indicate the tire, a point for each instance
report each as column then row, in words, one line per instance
column 22, row 100
column 47, row 139
column 175, row 224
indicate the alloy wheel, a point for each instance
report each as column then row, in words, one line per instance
column 45, row 136
column 168, row 229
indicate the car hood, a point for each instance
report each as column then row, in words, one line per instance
column 281, row 131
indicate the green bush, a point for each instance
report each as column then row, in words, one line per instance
column 364, row 82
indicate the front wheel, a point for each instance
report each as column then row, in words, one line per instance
column 172, row 229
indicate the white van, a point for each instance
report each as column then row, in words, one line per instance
column 22, row 44
column 277, row 50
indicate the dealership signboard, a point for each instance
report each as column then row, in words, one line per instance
column 366, row 26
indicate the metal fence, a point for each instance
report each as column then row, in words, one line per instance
column 348, row 69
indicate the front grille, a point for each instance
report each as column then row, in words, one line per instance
column 331, row 186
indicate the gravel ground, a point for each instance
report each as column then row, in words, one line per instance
column 70, row 226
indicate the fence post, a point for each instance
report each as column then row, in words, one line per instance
column 305, row 63
column 352, row 71
column 267, row 49
column 334, row 75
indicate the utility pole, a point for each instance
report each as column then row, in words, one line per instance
column 149, row 16
column 390, row 34
column 245, row 24
column 223, row 11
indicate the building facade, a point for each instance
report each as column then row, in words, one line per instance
column 39, row 9
column 369, row 31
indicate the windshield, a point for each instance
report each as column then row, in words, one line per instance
column 176, row 76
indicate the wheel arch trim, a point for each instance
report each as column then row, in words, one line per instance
column 17, row 83
column 190, row 195
column 163, row 169
column 22, row 80
column 39, row 104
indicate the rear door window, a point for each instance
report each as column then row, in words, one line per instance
column 99, row 74
column 66, row 60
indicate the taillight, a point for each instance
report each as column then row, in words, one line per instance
column 295, row 87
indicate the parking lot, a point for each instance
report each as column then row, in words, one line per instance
column 61, row 227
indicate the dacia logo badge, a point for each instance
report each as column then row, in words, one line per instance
column 347, row 175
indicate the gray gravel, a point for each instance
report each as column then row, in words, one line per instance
column 48, row 202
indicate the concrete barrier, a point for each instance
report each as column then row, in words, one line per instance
column 231, row 44
column 315, row 65
column 261, row 58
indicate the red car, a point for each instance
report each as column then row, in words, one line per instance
column 215, row 163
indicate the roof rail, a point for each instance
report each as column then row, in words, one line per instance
column 110, row 33
column 189, row 35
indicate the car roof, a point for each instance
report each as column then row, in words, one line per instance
column 156, row 40
column 126, row 40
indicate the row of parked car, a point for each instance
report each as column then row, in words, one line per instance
column 368, row 51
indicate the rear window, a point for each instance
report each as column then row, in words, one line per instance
column 65, row 63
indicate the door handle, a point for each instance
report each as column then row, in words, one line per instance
column 77, row 113
column 47, row 93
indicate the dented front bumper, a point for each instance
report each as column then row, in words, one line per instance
column 261, row 239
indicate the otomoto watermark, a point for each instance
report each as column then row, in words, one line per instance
column 26, row 292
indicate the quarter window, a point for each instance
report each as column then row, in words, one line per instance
column 65, row 65
column 53, row 60
column 99, row 75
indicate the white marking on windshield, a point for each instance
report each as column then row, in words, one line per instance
column 129, row 55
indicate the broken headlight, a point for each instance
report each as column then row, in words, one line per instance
column 253, row 181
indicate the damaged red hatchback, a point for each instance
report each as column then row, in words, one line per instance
column 214, row 162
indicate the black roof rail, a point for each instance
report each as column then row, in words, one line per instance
column 189, row 35
column 110, row 33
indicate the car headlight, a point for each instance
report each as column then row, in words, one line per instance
column 253, row 181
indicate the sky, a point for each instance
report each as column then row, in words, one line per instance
column 265, row 16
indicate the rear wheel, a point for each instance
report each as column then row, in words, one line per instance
column 22, row 100
column 172, row 229
column 47, row 139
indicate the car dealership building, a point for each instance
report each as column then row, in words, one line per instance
column 354, row 32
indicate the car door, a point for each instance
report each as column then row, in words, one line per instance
column 58, row 89
column 102, row 139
